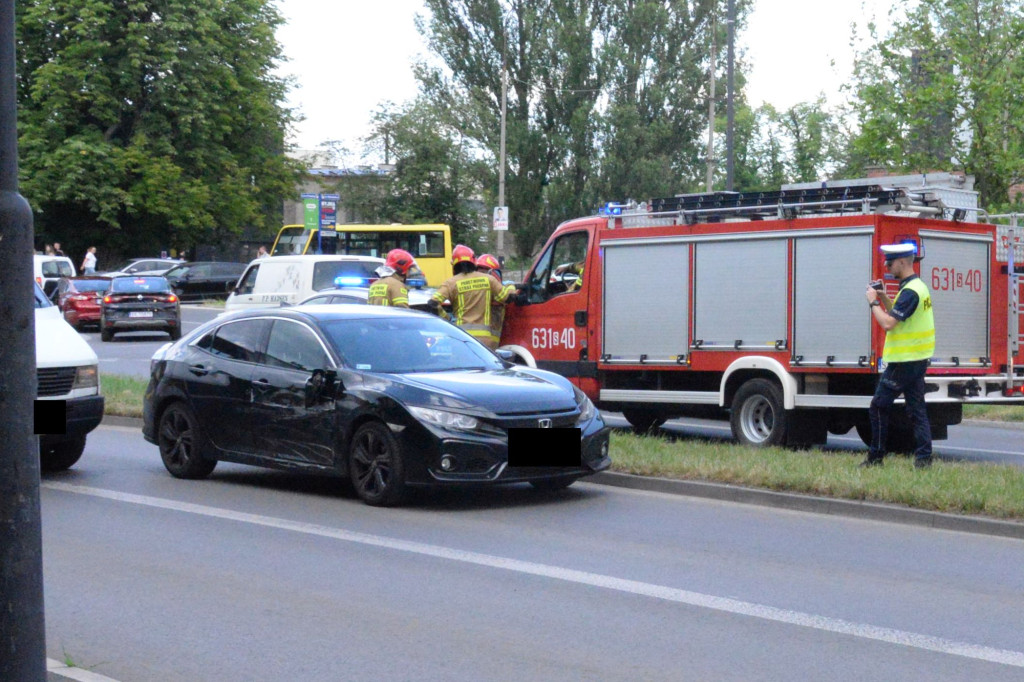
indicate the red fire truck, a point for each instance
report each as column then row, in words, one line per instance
column 752, row 305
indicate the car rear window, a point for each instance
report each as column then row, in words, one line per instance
column 139, row 285
column 84, row 285
column 326, row 273
column 57, row 268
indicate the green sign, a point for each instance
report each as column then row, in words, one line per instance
column 311, row 211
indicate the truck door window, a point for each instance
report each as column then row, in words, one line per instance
column 560, row 269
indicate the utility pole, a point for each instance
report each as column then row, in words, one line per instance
column 501, row 154
column 711, row 110
column 22, row 628
column 730, row 108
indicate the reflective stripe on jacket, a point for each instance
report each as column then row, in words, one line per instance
column 472, row 294
column 389, row 291
column 914, row 338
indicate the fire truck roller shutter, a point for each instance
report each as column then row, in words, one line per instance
column 646, row 302
column 956, row 270
column 740, row 293
column 828, row 308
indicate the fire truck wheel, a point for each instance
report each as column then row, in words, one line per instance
column 758, row 415
column 900, row 438
column 643, row 421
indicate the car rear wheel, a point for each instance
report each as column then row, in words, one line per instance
column 376, row 467
column 61, row 456
column 105, row 333
column 175, row 333
column 182, row 444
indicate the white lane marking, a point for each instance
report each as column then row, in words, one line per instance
column 697, row 599
column 73, row 673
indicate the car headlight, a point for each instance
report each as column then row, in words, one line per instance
column 587, row 409
column 444, row 419
column 87, row 376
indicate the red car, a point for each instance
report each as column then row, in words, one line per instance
column 79, row 298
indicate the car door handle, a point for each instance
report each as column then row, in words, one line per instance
column 198, row 370
column 262, row 382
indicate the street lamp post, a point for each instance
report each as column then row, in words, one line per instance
column 501, row 155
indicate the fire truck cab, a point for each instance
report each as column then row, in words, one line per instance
column 752, row 305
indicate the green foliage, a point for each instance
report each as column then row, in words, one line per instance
column 940, row 91
column 144, row 124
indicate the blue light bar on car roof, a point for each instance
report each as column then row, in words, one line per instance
column 349, row 281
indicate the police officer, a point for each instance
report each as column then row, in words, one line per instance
column 471, row 294
column 909, row 345
column 391, row 289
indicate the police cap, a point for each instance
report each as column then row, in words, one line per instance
column 894, row 251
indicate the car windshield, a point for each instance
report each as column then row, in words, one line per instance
column 139, row 285
column 329, row 274
column 400, row 345
column 86, row 285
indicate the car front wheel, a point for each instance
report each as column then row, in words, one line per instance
column 182, row 444
column 376, row 467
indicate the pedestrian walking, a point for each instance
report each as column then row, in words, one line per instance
column 89, row 262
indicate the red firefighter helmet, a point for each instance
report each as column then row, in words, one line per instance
column 486, row 260
column 400, row 261
column 462, row 254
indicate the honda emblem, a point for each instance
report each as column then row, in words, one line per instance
column 544, row 423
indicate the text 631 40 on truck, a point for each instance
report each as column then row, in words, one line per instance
column 752, row 305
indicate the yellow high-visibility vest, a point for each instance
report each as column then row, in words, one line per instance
column 914, row 338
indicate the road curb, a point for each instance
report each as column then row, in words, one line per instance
column 873, row 511
column 858, row 509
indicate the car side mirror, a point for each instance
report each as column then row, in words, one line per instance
column 322, row 385
column 506, row 356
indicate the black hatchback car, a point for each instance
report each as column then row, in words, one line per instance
column 390, row 398
column 198, row 280
column 134, row 304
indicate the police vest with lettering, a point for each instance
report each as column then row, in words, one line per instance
column 914, row 338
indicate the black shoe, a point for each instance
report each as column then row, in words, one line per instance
column 869, row 462
column 923, row 463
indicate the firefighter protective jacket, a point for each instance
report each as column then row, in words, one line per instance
column 389, row 291
column 472, row 294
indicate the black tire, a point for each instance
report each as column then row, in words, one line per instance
column 183, row 446
column 642, row 420
column 553, row 484
column 758, row 415
column 899, row 440
column 175, row 333
column 376, row 467
column 105, row 334
column 61, row 456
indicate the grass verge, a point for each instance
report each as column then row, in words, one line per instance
column 957, row 488
column 1003, row 413
column 952, row 487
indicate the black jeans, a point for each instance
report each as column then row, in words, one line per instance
column 906, row 378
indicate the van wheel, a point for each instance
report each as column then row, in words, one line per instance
column 758, row 415
column 61, row 456
column 643, row 421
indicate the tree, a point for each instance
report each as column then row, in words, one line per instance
column 941, row 91
column 148, row 124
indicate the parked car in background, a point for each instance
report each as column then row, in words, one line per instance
column 80, row 299
column 134, row 304
column 67, row 372
column 269, row 282
column 49, row 269
column 419, row 299
column 144, row 266
column 198, row 280
column 391, row 398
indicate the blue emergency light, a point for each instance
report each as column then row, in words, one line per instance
column 349, row 281
column 611, row 208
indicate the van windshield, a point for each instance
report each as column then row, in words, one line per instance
column 326, row 272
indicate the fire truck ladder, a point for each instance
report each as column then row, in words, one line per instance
column 782, row 204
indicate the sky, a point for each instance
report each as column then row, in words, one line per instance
column 348, row 56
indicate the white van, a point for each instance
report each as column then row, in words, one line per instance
column 48, row 270
column 67, row 370
column 268, row 282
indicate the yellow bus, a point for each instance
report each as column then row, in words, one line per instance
column 431, row 245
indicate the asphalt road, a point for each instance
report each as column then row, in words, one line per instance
column 260, row 575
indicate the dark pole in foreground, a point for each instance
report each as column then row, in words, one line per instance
column 22, row 628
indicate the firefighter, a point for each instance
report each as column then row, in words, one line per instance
column 909, row 345
column 490, row 265
column 472, row 295
column 391, row 289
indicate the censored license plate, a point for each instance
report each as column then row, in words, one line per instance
column 545, row 448
column 141, row 313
